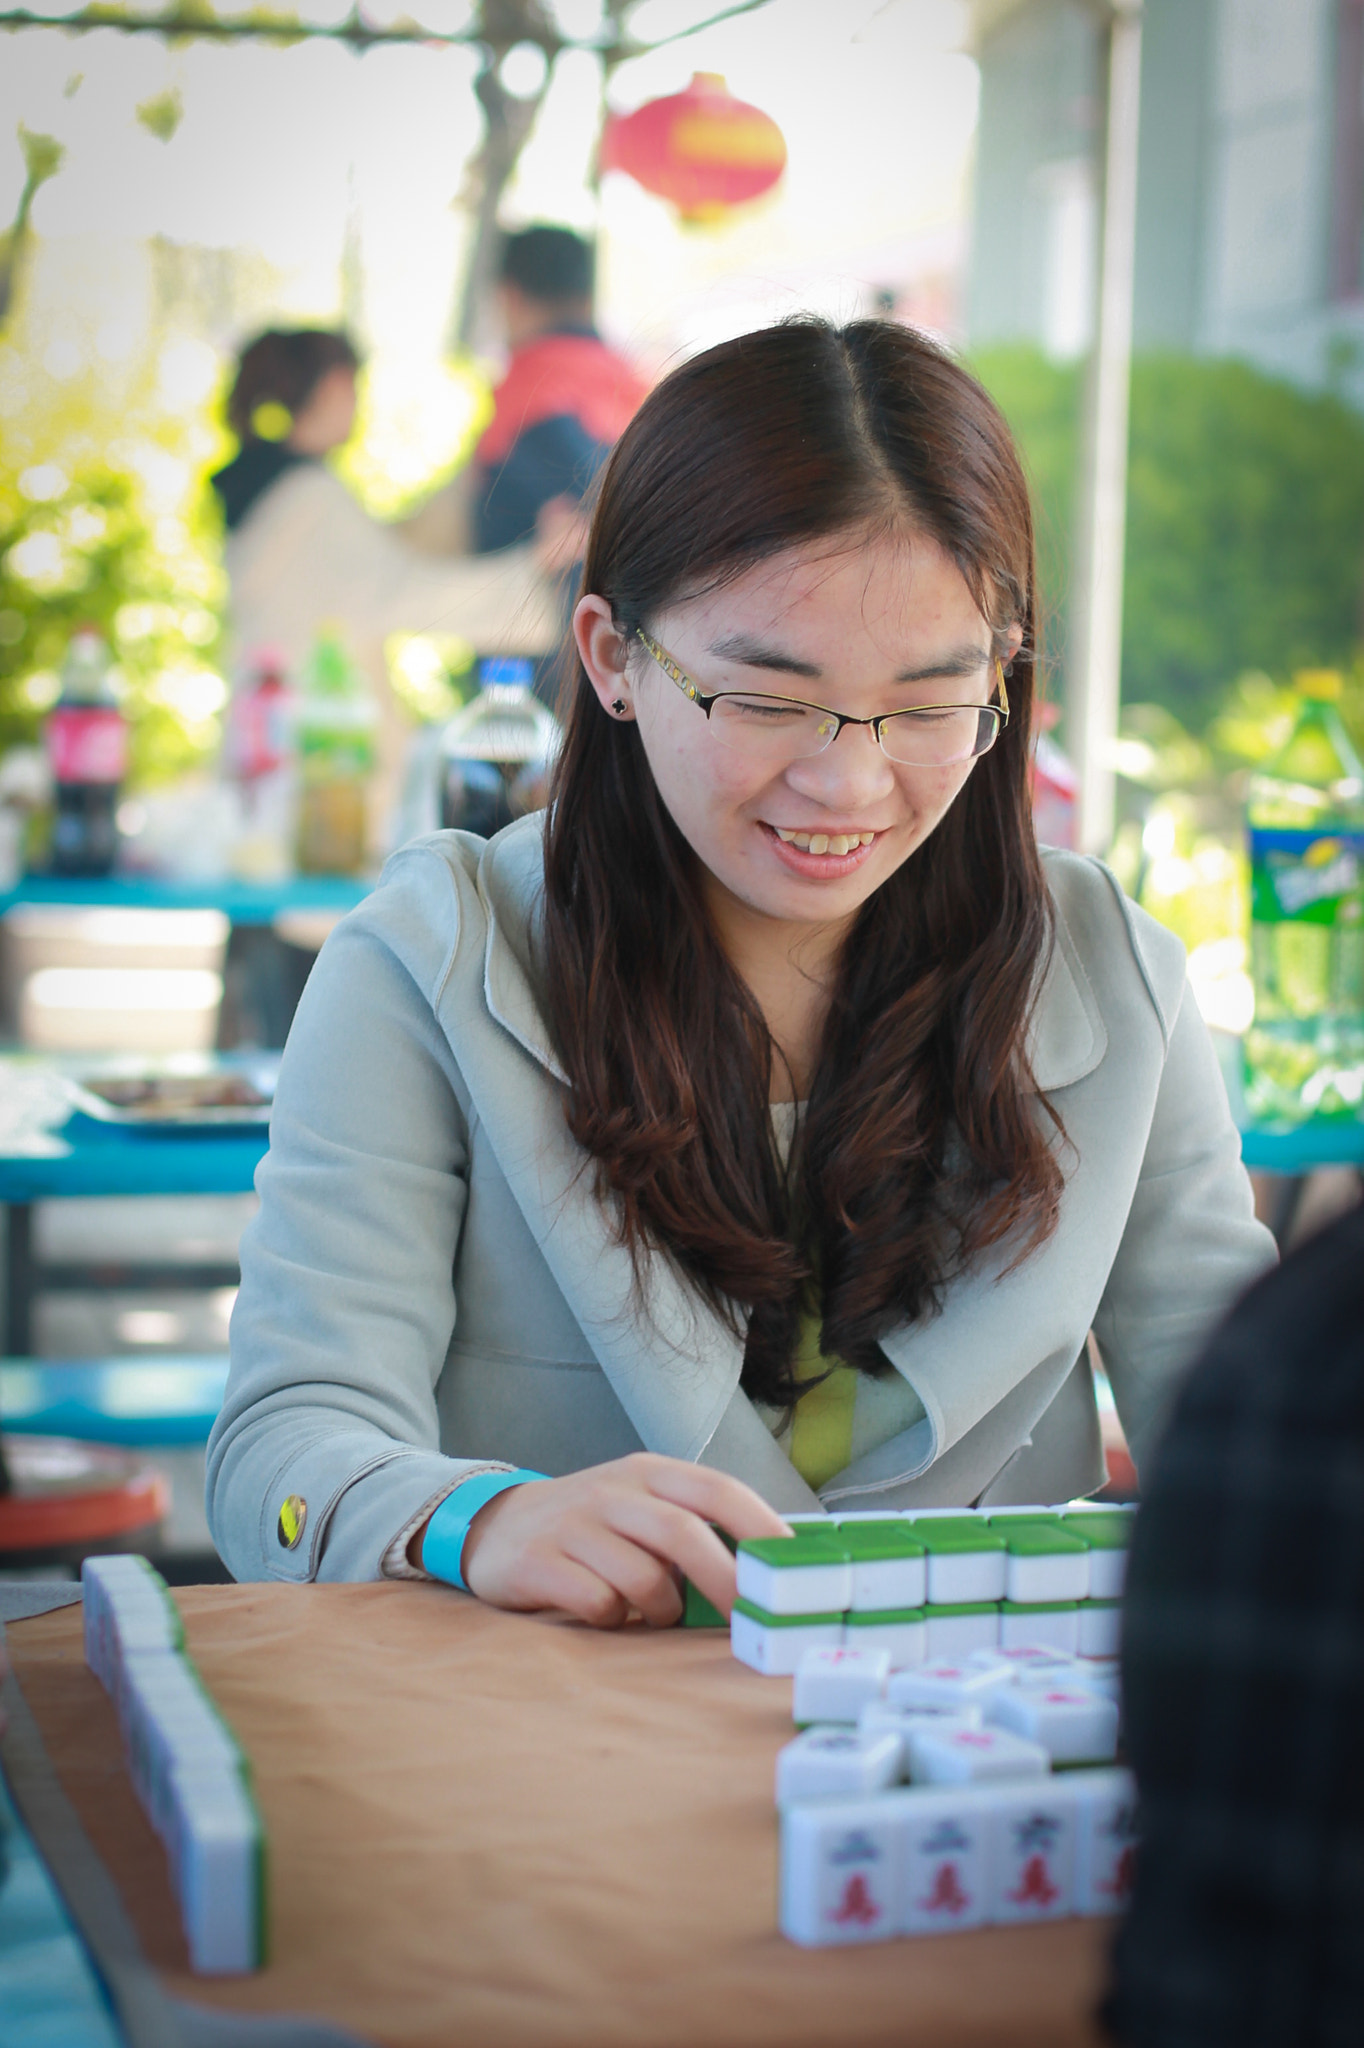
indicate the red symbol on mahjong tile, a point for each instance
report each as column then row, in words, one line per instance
column 857, row 1906
column 1124, row 1875
column 947, row 1895
column 1035, row 1887
column 968, row 1739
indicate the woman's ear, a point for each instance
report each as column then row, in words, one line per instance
column 603, row 650
column 1013, row 640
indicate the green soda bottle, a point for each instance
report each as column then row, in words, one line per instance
column 1304, row 1052
column 334, row 731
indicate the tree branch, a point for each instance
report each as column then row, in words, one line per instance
column 630, row 48
column 190, row 22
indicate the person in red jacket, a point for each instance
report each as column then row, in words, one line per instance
column 565, row 399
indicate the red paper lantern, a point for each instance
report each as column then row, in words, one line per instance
column 702, row 149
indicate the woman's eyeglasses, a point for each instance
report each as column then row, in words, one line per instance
column 783, row 729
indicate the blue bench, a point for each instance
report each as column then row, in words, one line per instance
column 154, row 1401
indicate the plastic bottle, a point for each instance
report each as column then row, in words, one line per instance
column 1304, row 1052
column 497, row 752
column 1055, row 788
column 334, row 729
column 258, row 741
column 259, row 757
column 86, row 737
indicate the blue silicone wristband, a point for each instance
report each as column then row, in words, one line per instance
column 443, row 1540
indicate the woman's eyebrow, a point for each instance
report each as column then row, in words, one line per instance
column 958, row 661
column 753, row 654
column 740, row 647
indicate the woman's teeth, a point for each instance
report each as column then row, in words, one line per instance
column 822, row 842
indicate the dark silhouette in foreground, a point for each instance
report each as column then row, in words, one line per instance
column 1243, row 1674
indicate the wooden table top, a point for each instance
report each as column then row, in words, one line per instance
column 511, row 1832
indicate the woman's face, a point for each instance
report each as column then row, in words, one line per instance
column 879, row 624
column 327, row 417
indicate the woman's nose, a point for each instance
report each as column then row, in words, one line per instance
column 850, row 773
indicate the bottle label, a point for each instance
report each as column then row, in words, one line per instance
column 1309, row 877
column 87, row 743
column 258, row 733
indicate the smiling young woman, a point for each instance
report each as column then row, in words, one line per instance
column 768, row 1126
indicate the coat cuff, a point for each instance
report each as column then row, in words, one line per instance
column 443, row 1543
column 395, row 1563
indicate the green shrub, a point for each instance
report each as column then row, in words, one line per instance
column 104, row 519
column 1245, row 520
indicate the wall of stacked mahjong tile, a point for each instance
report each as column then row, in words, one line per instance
column 936, row 1584
column 951, row 1794
column 187, row 1769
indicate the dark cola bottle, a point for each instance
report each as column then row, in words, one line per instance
column 86, row 737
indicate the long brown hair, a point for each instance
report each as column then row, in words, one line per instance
column 919, row 1147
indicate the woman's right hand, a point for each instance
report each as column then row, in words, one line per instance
column 561, row 530
column 611, row 1538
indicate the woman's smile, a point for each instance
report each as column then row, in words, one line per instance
column 820, row 855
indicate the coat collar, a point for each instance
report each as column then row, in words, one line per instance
column 511, row 881
column 1066, row 1037
column 672, row 1361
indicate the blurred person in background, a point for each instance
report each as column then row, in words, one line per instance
column 566, row 397
column 1243, row 1681
column 302, row 554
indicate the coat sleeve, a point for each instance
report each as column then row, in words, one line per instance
column 347, row 1300
column 1191, row 1245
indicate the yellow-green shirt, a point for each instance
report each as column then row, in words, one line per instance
column 822, row 1420
column 848, row 1414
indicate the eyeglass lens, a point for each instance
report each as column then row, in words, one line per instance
column 781, row 729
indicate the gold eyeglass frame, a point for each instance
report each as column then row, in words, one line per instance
column 675, row 674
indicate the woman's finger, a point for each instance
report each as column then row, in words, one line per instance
column 548, row 1578
column 715, row 1496
column 640, row 1575
column 680, row 1538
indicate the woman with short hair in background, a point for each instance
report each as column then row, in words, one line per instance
column 303, row 555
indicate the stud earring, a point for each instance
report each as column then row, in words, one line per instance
column 619, row 707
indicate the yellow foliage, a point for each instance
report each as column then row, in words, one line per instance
column 104, row 517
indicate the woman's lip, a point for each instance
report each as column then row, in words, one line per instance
column 817, row 867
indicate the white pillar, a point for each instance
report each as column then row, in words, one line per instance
column 1095, row 668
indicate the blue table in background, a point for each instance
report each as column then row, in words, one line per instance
column 241, row 903
column 169, row 1401
column 110, row 1159
column 84, row 1155
column 274, row 928
column 1295, row 1150
column 1289, row 1151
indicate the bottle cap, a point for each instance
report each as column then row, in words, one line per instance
column 85, row 668
column 505, row 670
column 1321, row 684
